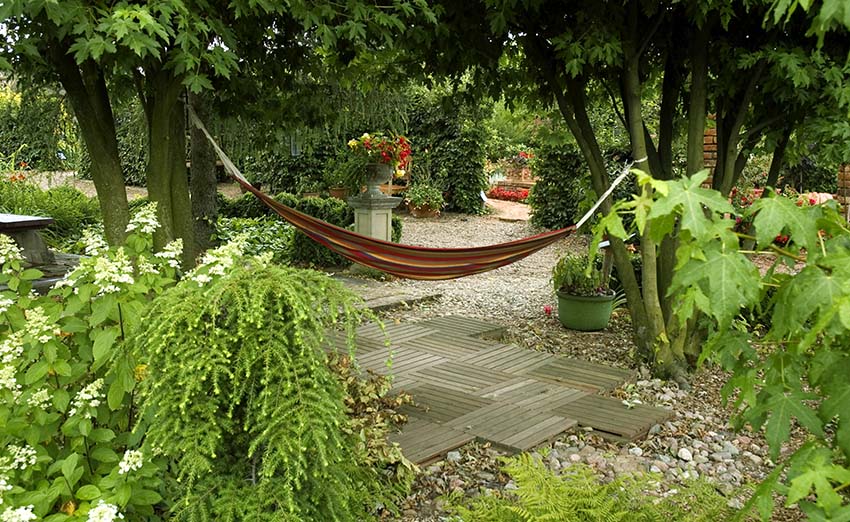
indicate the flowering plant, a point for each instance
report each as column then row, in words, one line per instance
column 518, row 195
column 378, row 148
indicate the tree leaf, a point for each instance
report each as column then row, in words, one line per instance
column 69, row 465
column 88, row 492
column 776, row 214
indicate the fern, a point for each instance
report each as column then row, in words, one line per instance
column 240, row 397
column 578, row 496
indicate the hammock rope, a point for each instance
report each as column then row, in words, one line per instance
column 412, row 262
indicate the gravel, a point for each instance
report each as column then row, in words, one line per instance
column 697, row 442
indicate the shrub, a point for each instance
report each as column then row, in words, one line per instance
column 576, row 495
column 131, row 132
column 71, row 210
column 37, row 123
column 560, row 189
column 245, row 403
column 68, row 415
column 262, row 235
column 303, row 250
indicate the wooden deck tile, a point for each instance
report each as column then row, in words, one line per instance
column 423, row 441
column 461, row 376
column 512, row 427
column 509, row 358
column 396, row 333
column 580, row 374
column 440, row 404
column 404, row 360
column 337, row 341
column 611, row 417
column 465, row 326
column 449, row 346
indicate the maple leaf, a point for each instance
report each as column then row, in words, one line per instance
column 837, row 404
column 687, row 198
column 818, row 474
column 807, row 293
column 779, row 408
column 776, row 214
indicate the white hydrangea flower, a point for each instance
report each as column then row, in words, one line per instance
column 88, row 398
column 144, row 220
column 94, row 242
column 39, row 399
column 146, row 267
column 8, row 380
column 104, row 512
column 109, row 273
column 9, row 250
column 12, row 347
column 4, row 486
column 21, row 514
column 39, row 326
column 218, row 261
column 5, row 304
column 172, row 253
column 22, row 456
column 133, row 460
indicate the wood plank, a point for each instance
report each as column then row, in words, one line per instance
column 512, row 427
column 422, row 441
column 609, row 415
column 511, row 359
column 446, row 346
column 439, row 404
column 461, row 376
column 464, row 326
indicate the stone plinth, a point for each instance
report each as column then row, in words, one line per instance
column 24, row 230
column 373, row 214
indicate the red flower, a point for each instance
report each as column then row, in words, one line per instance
column 812, row 201
column 547, row 310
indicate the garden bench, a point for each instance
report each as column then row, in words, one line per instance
column 24, row 230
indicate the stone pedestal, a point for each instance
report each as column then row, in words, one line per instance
column 24, row 230
column 373, row 214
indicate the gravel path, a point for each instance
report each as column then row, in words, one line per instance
column 698, row 442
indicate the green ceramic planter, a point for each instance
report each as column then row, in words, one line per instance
column 585, row 313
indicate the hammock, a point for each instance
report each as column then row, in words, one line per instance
column 412, row 262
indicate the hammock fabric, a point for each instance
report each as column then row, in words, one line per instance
column 407, row 261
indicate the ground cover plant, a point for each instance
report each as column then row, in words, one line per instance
column 506, row 194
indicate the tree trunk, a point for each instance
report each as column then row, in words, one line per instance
column 202, row 179
column 697, row 102
column 86, row 89
column 166, row 173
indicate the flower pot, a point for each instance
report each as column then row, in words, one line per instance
column 338, row 192
column 423, row 212
column 585, row 313
column 376, row 175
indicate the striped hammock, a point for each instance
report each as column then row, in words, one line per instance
column 412, row 262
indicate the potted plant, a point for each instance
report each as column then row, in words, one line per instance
column 424, row 199
column 585, row 301
column 384, row 156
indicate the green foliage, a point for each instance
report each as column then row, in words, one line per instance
column 262, row 235
column 808, row 175
column 423, row 194
column 66, row 386
column 562, row 182
column 795, row 371
column 36, row 123
column 576, row 275
column 302, row 250
column 345, row 170
column 576, row 495
column 449, row 137
column 71, row 210
column 131, row 133
column 243, row 397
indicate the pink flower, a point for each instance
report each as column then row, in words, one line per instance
column 547, row 310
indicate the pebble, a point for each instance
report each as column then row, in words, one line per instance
column 685, row 454
column 453, row 456
column 636, row 451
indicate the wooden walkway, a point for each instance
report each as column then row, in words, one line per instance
column 466, row 386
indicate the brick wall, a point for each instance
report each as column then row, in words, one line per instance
column 709, row 153
column 843, row 195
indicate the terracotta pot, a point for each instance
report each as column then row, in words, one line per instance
column 338, row 192
column 423, row 212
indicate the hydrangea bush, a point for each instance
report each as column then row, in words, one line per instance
column 67, row 413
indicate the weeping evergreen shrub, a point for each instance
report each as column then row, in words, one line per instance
column 240, row 397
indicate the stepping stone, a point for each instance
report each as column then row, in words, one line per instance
column 423, row 441
column 611, row 418
column 512, row 427
column 465, row 327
